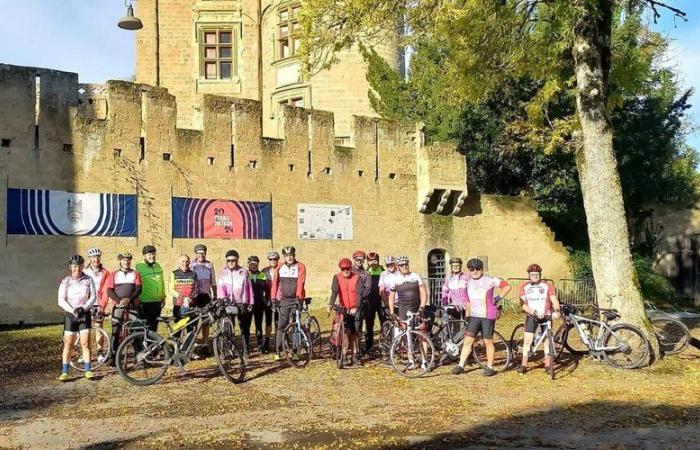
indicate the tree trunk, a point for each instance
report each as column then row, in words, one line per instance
column 615, row 278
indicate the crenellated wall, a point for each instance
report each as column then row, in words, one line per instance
column 385, row 174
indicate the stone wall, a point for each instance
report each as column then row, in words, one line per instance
column 380, row 175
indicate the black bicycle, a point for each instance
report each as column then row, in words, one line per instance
column 297, row 344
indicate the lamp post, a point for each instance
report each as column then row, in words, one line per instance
column 130, row 22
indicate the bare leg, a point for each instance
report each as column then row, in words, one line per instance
column 68, row 341
column 85, row 344
column 466, row 350
column 490, row 352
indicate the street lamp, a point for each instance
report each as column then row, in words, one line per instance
column 129, row 22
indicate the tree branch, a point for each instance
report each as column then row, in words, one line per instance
column 655, row 5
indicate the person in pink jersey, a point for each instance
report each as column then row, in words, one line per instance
column 234, row 285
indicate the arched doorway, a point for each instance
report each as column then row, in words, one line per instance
column 436, row 274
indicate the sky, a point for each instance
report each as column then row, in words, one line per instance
column 82, row 36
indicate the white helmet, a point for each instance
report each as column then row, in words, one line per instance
column 401, row 259
column 94, row 251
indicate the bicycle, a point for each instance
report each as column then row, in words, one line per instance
column 621, row 345
column 672, row 334
column 312, row 325
column 543, row 336
column 99, row 341
column 149, row 354
column 297, row 343
column 338, row 336
column 409, row 345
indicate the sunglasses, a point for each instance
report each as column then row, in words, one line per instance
column 402, row 265
column 273, row 259
column 231, row 260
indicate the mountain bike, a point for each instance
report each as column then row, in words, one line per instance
column 672, row 334
column 144, row 357
column 412, row 353
column 544, row 336
column 621, row 345
column 297, row 343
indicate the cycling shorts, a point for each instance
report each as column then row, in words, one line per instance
column 476, row 324
column 200, row 301
column 72, row 325
column 404, row 309
column 349, row 322
column 532, row 322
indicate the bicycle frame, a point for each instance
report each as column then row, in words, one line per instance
column 183, row 345
column 594, row 346
column 544, row 327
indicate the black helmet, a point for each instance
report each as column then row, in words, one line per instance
column 456, row 260
column 289, row 250
column 76, row 259
column 231, row 253
column 475, row 264
column 200, row 248
column 148, row 249
column 254, row 259
column 123, row 255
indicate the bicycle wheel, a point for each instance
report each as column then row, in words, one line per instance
column 552, row 352
column 412, row 354
column 143, row 358
column 314, row 328
column 630, row 347
column 559, row 339
column 386, row 337
column 672, row 334
column 517, row 337
column 297, row 346
column 502, row 355
column 573, row 342
column 340, row 352
column 228, row 357
column 99, row 350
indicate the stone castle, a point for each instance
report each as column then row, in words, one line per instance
column 406, row 197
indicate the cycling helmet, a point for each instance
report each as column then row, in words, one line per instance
column 76, row 259
column 254, row 259
column 273, row 255
column 401, row 259
column 389, row 260
column 456, row 260
column 231, row 253
column 94, row 251
column 359, row 254
column 200, row 248
column 534, row 268
column 288, row 250
column 345, row 264
column 126, row 255
column 148, row 249
column 475, row 264
column 372, row 256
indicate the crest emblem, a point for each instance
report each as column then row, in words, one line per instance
column 75, row 211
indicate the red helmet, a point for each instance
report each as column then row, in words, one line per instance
column 359, row 254
column 373, row 256
column 345, row 264
column 534, row 268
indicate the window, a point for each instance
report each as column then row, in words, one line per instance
column 217, row 49
column 288, row 44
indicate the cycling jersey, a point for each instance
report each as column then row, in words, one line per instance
column 124, row 284
column 537, row 296
column 234, row 285
column 386, row 280
column 76, row 293
column 288, row 282
column 365, row 281
column 375, row 274
column 258, row 283
column 205, row 275
column 481, row 297
column 407, row 289
column 454, row 289
column 270, row 275
column 100, row 277
column 153, row 283
column 182, row 284
column 347, row 288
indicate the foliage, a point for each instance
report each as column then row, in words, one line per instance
column 581, row 264
column 654, row 287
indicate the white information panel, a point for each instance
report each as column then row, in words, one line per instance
column 324, row 222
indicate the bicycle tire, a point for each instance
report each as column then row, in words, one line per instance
column 559, row 339
column 615, row 333
column 517, row 337
column 386, row 337
column 340, row 353
column 409, row 368
column 552, row 353
column 672, row 334
column 314, row 328
column 296, row 341
column 154, row 343
column 97, row 359
column 502, row 357
column 229, row 358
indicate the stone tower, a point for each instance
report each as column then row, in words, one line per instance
column 245, row 49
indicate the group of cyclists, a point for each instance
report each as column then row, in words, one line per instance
column 365, row 289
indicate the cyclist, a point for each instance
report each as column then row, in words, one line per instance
column 76, row 294
column 373, row 306
column 482, row 312
column 152, row 297
column 346, row 287
column 386, row 279
column 206, row 287
column 124, row 289
column 258, row 283
column 539, row 300
column 454, row 288
column 287, row 289
column 358, row 259
column 100, row 276
column 273, row 259
column 234, row 286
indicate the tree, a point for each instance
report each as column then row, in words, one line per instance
column 562, row 42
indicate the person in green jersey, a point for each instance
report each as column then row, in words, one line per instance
column 152, row 298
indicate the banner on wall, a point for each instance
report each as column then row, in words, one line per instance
column 221, row 219
column 46, row 212
column 324, row 222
